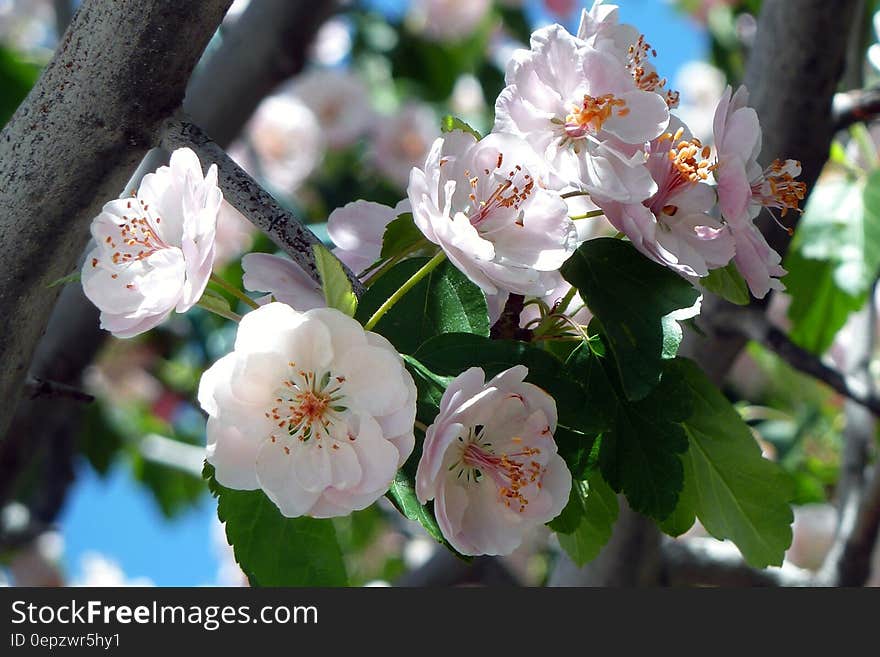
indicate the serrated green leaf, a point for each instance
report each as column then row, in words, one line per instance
column 273, row 550
column 334, row 282
column 595, row 511
column 728, row 284
column 444, row 301
column 834, row 258
column 402, row 493
column 630, row 295
column 401, row 236
column 735, row 492
column 639, row 454
column 451, row 123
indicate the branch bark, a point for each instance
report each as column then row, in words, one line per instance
column 119, row 72
column 255, row 203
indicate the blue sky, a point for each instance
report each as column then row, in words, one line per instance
column 117, row 518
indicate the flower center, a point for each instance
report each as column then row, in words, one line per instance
column 777, row 188
column 689, row 164
column 589, row 117
column 646, row 78
column 510, row 192
column 511, row 473
column 138, row 236
column 307, row 405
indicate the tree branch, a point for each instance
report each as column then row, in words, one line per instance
column 709, row 562
column 120, row 70
column 752, row 324
column 249, row 198
column 851, row 107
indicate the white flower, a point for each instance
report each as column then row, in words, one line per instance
column 581, row 109
column 357, row 229
column 154, row 251
column 484, row 204
column 447, row 20
column 310, row 408
column 284, row 143
column 283, row 279
column 401, row 141
column 340, row 101
column 490, row 463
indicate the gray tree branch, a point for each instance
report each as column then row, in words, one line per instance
column 249, row 198
column 119, row 72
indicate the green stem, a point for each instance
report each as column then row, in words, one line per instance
column 421, row 426
column 406, row 287
column 388, row 264
column 574, row 193
column 563, row 304
column 226, row 314
column 234, row 291
column 588, row 215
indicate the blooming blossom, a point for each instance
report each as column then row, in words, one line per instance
column 155, row 250
column 582, row 110
column 340, row 101
column 484, row 204
column 284, row 143
column 447, row 20
column 357, row 229
column 401, row 141
column 283, row 279
column 744, row 187
column 673, row 226
column 310, row 408
column 490, row 463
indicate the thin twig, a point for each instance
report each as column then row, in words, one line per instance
column 854, row 106
column 752, row 324
column 36, row 387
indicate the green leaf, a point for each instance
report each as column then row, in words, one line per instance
column 630, row 296
column 453, row 353
column 401, row 236
column 728, row 284
column 403, row 494
column 451, row 123
column 639, row 454
column 64, row 280
column 595, row 510
column 214, row 301
column 334, row 282
column 735, row 492
column 17, row 76
column 444, row 301
column 834, row 258
column 273, row 550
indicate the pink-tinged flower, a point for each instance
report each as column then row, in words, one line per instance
column 284, row 143
column 402, row 141
column 744, row 187
column 340, row 101
column 310, row 408
column 447, row 20
column 674, row 226
column 581, row 110
column 483, row 202
column 155, row 250
column 490, row 463
column 283, row 280
column 600, row 27
column 357, row 229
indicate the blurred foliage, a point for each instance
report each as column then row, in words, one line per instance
column 17, row 76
